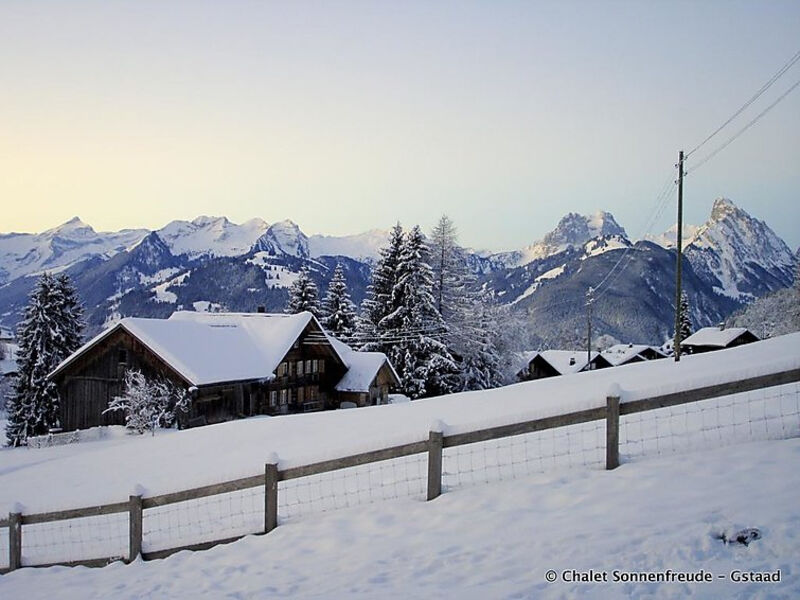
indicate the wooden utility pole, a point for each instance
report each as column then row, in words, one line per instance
column 589, row 301
column 676, row 343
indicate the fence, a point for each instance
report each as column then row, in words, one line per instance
column 763, row 407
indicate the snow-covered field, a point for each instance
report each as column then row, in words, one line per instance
column 499, row 540
column 108, row 470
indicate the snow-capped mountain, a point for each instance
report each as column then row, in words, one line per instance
column 739, row 255
column 283, row 238
column 212, row 236
column 362, row 246
column 573, row 230
column 669, row 237
column 23, row 254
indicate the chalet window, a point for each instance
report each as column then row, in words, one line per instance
column 315, row 365
column 299, row 368
column 273, row 398
column 308, row 366
column 122, row 356
column 282, row 370
column 321, row 365
column 291, row 369
column 301, row 396
column 284, row 397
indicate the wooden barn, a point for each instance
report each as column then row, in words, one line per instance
column 717, row 338
column 234, row 364
column 369, row 379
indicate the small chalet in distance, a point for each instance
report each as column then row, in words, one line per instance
column 625, row 354
column 549, row 363
column 717, row 338
column 234, row 364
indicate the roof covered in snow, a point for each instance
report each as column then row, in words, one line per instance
column 622, row 353
column 714, row 336
column 206, row 348
column 560, row 360
column 362, row 369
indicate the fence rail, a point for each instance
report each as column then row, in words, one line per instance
column 137, row 507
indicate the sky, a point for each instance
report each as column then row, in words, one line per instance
column 348, row 116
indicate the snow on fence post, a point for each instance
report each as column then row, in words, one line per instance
column 14, row 540
column 135, row 526
column 612, row 428
column 271, row 495
column 435, row 439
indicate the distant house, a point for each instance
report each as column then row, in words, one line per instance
column 549, row 363
column 369, row 378
column 624, row 354
column 8, row 362
column 717, row 338
column 235, row 365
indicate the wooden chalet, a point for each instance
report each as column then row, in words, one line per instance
column 550, row 363
column 369, row 378
column 234, row 365
column 708, row 339
column 625, row 354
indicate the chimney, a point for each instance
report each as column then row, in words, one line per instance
column 571, row 361
column 722, row 326
column 261, row 308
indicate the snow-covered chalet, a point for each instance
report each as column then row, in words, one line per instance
column 234, row 364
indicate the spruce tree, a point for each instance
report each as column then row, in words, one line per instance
column 378, row 302
column 413, row 330
column 338, row 310
column 303, row 295
column 49, row 333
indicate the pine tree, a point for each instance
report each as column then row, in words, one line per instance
column 378, row 302
column 338, row 310
column 303, row 295
column 412, row 329
column 686, row 317
column 49, row 333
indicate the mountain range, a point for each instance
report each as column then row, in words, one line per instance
column 211, row 263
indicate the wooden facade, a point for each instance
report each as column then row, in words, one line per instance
column 304, row 381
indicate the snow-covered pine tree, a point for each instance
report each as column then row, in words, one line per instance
column 686, row 317
column 378, row 301
column 303, row 295
column 411, row 330
column 338, row 310
column 50, row 331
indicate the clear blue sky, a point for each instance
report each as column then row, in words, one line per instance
column 345, row 116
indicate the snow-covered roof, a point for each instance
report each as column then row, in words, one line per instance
column 714, row 336
column 560, row 360
column 206, row 348
column 362, row 367
column 621, row 353
column 9, row 364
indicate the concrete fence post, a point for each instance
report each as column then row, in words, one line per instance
column 270, row 496
column 135, row 527
column 435, row 439
column 14, row 541
column 612, row 432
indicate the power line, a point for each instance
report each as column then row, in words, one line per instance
column 743, row 129
column 755, row 97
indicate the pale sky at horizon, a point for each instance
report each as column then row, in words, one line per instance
column 349, row 116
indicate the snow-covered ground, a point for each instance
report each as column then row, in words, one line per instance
column 499, row 540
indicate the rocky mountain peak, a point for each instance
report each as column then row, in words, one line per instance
column 283, row 237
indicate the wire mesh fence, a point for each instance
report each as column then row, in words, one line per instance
column 84, row 538
column 768, row 413
column 404, row 477
column 580, row 445
column 201, row 520
column 4, row 557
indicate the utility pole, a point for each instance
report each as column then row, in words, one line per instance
column 678, row 265
column 589, row 301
